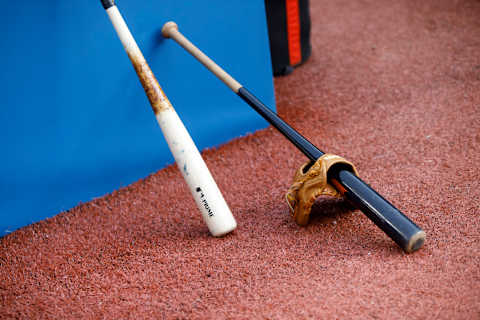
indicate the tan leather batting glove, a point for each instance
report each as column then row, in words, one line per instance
column 310, row 184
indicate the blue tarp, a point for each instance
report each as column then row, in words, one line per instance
column 75, row 121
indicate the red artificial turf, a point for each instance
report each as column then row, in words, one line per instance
column 393, row 86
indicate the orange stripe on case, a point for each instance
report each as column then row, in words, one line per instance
column 293, row 32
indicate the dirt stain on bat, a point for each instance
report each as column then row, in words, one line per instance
column 156, row 96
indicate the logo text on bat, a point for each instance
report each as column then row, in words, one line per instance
column 204, row 202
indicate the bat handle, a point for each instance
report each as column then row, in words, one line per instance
column 385, row 215
column 170, row 30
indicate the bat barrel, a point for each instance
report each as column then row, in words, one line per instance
column 385, row 215
column 388, row 218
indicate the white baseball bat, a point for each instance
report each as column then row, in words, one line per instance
column 212, row 205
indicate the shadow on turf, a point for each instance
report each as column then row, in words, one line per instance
column 327, row 209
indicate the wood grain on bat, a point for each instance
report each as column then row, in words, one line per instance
column 157, row 98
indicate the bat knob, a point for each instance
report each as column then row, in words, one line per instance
column 168, row 28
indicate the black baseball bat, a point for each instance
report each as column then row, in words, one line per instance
column 384, row 214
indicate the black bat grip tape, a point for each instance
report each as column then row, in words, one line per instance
column 107, row 3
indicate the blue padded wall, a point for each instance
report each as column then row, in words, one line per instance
column 76, row 123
